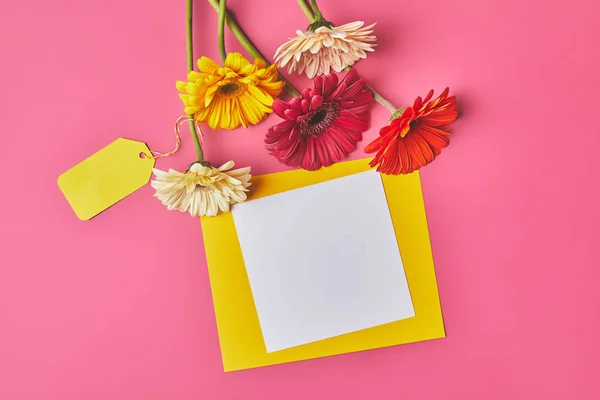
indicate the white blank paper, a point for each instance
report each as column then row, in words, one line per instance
column 322, row 261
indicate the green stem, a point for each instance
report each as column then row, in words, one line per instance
column 378, row 98
column 247, row 44
column 307, row 10
column 315, row 7
column 190, row 67
column 222, row 9
column 381, row 100
column 188, row 34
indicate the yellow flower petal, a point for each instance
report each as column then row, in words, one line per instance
column 239, row 93
column 194, row 76
column 260, row 96
column 260, row 63
column 207, row 65
column 272, row 88
column 247, row 70
column 210, row 94
column 236, row 114
column 225, row 121
column 214, row 119
column 181, row 86
column 250, row 110
column 192, row 101
column 235, row 61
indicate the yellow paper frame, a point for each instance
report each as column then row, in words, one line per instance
column 242, row 344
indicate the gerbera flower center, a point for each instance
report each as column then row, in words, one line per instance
column 319, row 120
column 414, row 124
column 411, row 127
column 203, row 181
column 232, row 89
column 318, row 117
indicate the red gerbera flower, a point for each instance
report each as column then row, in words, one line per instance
column 324, row 125
column 414, row 139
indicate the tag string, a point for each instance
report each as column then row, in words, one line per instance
column 177, row 129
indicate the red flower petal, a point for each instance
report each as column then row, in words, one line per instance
column 348, row 120
column 400, row 149
column 292, row 113
column 436, row 138
column 311, row 139
column 285, row 125
column 279, row 108
column 310, row 161
column 442, row 117
column 296, row 103
column 329, row 85
column 295, row 159
column 322, row 152
column 315, row 102
column 305, row 105
column 345, row 142
column 374, row 145
column 424, row 147
column 416, row 156
column 359, row 104
column 336, row 153
column 404, row 157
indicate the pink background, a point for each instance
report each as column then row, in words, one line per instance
column 120, row 307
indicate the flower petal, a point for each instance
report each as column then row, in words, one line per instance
column 207, row 65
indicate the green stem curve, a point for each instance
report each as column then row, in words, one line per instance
column 222, row 9
column 381, row 100
column 307, row 10
column 316, row 11
column 190, row 67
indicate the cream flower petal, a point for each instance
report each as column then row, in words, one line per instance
column 203, row 190
column 316, row 53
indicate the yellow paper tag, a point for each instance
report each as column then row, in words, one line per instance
column 106, row 177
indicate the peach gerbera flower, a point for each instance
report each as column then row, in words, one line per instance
column 327, row 47
column 413, row 139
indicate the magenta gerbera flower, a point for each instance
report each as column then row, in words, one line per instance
column 323, row 126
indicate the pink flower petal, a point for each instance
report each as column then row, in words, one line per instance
column 310, row 144
column 350, row 121
column 305, row 105
column 316, row 101
column 292, row 113
column 329, row 84
column 346, row 142
column 322, row 152
column 279, row 107
column 285, row 125
column 296, row 103
column 309, row 160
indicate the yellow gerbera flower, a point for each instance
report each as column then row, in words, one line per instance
column 240, row 93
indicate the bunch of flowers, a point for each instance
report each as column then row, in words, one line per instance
column 319, row 126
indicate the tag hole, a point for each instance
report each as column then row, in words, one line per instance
column 143, row 155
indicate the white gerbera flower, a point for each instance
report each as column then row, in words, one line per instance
column 203, row 190
column 336, row 47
